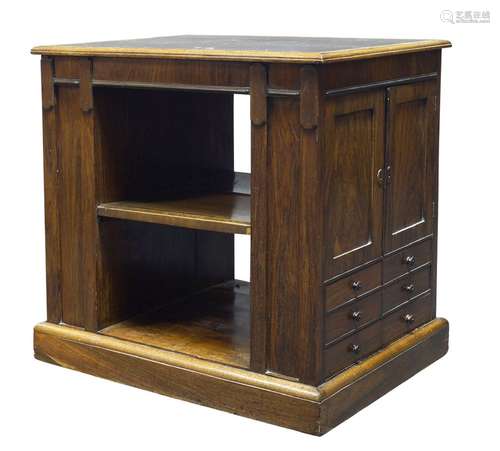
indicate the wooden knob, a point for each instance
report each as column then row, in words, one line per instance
column 355, row 348
column 410, row 260
column 356, row 285
column 410, row 288
column 356, row 315
column 409, row 318
column 380, row 177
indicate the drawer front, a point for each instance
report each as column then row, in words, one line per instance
column 417, row 312
column 406, row 287
column 407, row 260
column 353, row 348
column 353, row 286
column 352, row 316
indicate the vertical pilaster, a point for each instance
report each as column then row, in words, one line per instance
column 88, row 198
column 295, row 233
column 51, row 193
column 310, row 322
column 258, row 113
column 435, row 190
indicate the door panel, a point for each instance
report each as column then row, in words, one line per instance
column 354, row 152
column 409, row 162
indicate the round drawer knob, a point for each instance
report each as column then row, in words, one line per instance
column 409, row 318
column 355, row 349
column 356, row 285
column 410, row 260
column 356, row 315
column 410, row 288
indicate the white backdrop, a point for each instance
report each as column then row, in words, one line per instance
column 453, row 403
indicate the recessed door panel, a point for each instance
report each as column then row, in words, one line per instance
column 354, row 155
column 409, row 163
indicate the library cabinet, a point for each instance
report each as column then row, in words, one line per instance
column 142, row 203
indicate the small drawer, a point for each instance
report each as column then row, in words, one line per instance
column 353, row 348
column 352, row 316
column 417, row 312
column 406, row 287
column 404, row 261
column 352, row 286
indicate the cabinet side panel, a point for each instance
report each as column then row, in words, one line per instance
column 77, row 206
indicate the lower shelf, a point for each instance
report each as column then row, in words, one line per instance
column 314, row 410
column 213, row 325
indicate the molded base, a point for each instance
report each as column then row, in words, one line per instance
column 314, row 410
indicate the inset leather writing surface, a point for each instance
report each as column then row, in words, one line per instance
column 354, row 153
column 246, row 48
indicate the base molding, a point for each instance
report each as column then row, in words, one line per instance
column 314, row 410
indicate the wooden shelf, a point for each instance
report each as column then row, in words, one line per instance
column 212, row 325
column 227, row 212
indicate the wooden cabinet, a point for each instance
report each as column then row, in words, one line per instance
column 379, row 172
column 142, row 203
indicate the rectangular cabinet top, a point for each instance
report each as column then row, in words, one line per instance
column 246, row 48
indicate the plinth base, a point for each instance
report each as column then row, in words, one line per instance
column 314, row 410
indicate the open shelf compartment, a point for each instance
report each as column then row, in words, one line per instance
column 213, row 324
column 169, row 204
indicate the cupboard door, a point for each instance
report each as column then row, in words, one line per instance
column 354, row 154
column 411, row 148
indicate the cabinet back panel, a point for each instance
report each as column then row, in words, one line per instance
column 145, row 266
column 155, row 144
